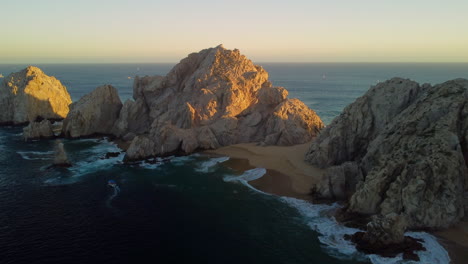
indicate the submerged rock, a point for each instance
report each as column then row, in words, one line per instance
column 212, row 98
column 29, row 95
column 409, row 143
column 37, row 130
column 94, row 113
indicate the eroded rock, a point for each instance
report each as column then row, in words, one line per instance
column 30, row 95
column 94, row 113
column 212, row 98
column 410, row 145
column 61, row 158
column 36, row 130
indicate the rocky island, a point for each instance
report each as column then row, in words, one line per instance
column 213, row 98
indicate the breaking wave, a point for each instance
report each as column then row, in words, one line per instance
column 210, row 164
column 332, row 236
column 36, row 155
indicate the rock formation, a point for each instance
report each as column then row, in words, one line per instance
column 61, row 158
column 37, row 130
column 94, row 113
column 29, row 95
column 402, row 148
column 213, row 98
column 385, row 235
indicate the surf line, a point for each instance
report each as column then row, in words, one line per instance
column 114, row 185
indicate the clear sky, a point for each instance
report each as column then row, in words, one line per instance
column 33, row 31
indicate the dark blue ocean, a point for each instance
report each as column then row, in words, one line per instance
column 194, row 209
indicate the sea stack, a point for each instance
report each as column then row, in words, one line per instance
column 212, row 98
column 61, row 158
column 407, row 145
column 29, row 95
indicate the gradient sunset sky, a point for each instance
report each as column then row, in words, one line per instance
column 265, row 31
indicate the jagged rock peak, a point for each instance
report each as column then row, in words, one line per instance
column 30, row 94
column 212, row 98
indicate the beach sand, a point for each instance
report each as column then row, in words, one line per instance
column 289, row 175
column 287, row 172
column 455, row 240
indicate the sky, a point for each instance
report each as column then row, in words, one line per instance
column 93, row 31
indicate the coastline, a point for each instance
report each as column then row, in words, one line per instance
column 280, row 162
column 289, row 175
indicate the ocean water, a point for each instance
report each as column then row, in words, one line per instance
column 185, row 209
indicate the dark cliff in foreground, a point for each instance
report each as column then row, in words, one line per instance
column 399, row 152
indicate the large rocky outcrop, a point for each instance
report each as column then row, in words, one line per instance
column 409, row 143
column 213, row 98
column 29, row 95
column 94, row 113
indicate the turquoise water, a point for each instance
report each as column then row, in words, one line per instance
column 186, row 209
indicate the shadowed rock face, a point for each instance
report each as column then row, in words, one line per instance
column 212, row 98
column 29, row 95
column 94, row 113
column 409, row 144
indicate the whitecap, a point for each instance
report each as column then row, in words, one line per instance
column 247, row 176
column 152, row 165
column 36, row 155
column 182, row 159
column 332, row 236
column 206, row 166
column 94, row 164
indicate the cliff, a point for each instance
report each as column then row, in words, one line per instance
column 399, row 149
column 29, row 95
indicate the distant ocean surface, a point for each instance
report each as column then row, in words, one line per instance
column 193, row 209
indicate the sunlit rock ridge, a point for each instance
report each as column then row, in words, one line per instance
column 29, row 95
column 212, row 98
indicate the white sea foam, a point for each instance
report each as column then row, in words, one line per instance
column 36, row 155
column 94, row 162
column 180, row 160
column 247, row 176
column 331, row 235
column 151, row 166
column 210, row 164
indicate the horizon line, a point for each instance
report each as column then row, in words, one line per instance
column 259, row 62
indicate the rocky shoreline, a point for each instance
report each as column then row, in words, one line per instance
column 397, row 156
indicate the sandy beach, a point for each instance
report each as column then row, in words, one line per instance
column 285, row 166
column 289, row 175
column 455, row 240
